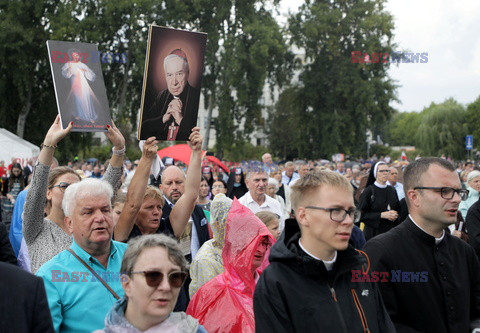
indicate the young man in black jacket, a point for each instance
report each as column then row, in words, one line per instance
column 316, row 282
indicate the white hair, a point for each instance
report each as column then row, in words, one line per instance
column 186, row 68
column 259, row 171
column 86, row 187
column 273, row 181
column 473, row 174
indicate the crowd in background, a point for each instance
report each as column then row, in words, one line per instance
column 186, row 248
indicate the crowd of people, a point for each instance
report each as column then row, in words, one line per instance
column 297, row 246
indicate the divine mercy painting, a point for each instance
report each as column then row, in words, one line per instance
column 79, row 86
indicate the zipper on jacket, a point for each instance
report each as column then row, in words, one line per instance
column 363, row 318
column 334, row 296
column 339, row 311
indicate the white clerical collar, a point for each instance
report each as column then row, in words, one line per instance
column 437, row 240
column 377, row 184
column 328, row 263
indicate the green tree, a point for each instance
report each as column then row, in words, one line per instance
column 28, row 103
column 443, row 129
column 282, row 120
column 26, row 86
column 403, row 128
column 339, row 99
column 245, row 50
column 473, row 121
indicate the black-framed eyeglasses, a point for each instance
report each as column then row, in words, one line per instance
column 154, row 278
column 446, row 193
column 339, row 214
column 62, row 186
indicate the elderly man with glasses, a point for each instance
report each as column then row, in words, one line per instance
column 434, row 278
column 314, row 282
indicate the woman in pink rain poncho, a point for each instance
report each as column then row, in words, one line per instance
column 225, row 303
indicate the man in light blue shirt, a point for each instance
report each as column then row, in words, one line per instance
column 288, row 175
column 78, row 301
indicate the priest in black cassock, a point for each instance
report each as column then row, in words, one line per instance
column 174, row 112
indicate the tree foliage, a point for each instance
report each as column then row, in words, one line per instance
column 473, row 121
column 28, row 106
column 245, row 49
column 442, row 130
column 26, row 88
column 286, row 112
column 339, row 100
column 403, row 127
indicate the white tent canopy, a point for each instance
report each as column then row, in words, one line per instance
column 12, row 146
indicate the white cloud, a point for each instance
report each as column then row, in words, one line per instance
column 448, row 31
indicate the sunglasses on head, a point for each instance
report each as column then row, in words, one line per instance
column 154, row 278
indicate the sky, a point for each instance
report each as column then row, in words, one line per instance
column 449, row 31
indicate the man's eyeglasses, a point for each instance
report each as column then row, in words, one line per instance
column 154, row 278
column 62, row 186
column 446, row 193
column 218, row 186
column 384, row 171
column 339, row 214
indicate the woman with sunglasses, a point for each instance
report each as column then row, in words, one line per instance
column 379, row 203
column 153, row 271
column 47, row 236
column 225, row 303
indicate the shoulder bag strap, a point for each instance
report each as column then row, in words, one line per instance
column 95, row 274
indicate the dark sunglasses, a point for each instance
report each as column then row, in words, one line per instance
column 154, row 278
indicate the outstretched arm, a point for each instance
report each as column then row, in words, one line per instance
column 118, row 142
column 136, row 191
column 36, row 196
column 114, row 171
column 183, row 209
column 54, row 135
